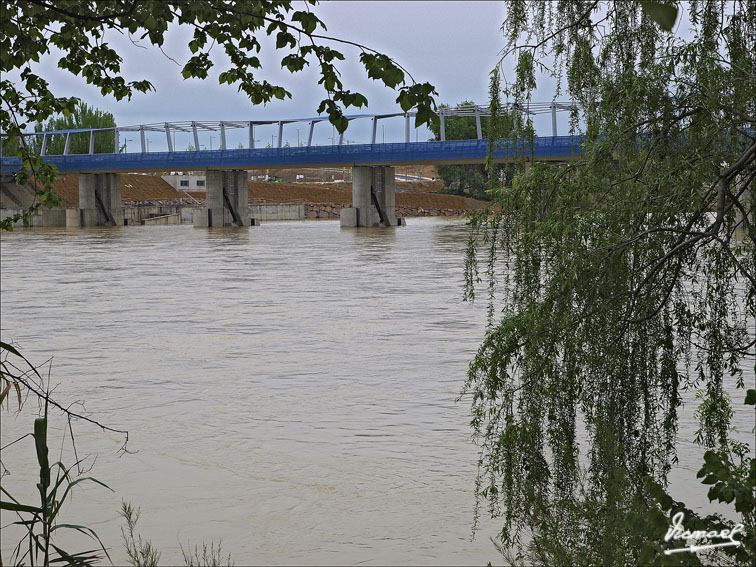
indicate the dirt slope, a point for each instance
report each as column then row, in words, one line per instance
column 134, row 188
column 342, row 193
column 316, row 174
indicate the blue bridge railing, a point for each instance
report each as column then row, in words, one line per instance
column 547, row 148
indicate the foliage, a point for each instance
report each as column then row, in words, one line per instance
column 621, row 278
column 140, row 553
column 81, row 29
column 210, row 557
column 41, row 523
column 469, row 180
column 464, row 179
column 459, row 127
column 84, row 116
column 648, row 514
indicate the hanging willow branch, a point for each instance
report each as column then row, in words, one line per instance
column 630, row 270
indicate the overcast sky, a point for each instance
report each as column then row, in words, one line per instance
column 453, row 45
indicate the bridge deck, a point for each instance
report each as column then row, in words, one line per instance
column 548, row 148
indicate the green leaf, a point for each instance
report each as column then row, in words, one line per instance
column 750, row 398
column 285, row 38
column 404, row 100
column 658, row 493
column 712, row 459
column 13, row 507
column 710, row 479
column 727, row 495
column 40, row 441
column 84, row 558
column 663, row 13
column 84, row 530
column 70, row 486
column 341, row 124
column 308, row 20
column 12, row 350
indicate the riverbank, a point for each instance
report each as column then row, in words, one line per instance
column 333, row 211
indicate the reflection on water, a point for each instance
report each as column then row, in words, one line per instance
column 288, row 388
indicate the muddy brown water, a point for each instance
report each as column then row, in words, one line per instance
column 288, row 389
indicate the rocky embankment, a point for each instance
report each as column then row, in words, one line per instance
column 333, row 211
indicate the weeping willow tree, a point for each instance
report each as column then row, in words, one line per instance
column 620, row 278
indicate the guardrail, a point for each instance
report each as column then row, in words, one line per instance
column 557, row 148
column 194, row 127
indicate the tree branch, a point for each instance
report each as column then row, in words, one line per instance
column 78, row 16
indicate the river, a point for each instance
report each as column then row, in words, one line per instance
column 288, row 389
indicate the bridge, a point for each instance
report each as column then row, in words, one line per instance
column 226, row 204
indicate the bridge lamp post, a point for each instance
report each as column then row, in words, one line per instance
column 297, row 137
column 211, row 142
column 126, row 145
column 383, row 132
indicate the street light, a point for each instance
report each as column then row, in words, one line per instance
column 383, row 130
column 297, row 137
column 126, row 145
column 211, row 142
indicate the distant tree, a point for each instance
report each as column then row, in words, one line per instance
column 83, row 116
column 472, row 180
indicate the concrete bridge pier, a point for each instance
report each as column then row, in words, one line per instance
column 373, row 198
column 100, row 199
column 226, row 201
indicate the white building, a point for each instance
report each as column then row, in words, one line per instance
column 182, row 182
